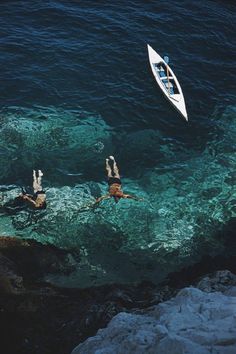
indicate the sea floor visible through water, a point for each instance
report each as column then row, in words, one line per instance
column 76, row 88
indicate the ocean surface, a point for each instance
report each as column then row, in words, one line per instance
column 76, row 87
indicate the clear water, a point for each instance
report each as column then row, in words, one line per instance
column 77, row 87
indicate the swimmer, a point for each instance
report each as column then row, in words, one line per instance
column 114, row 183
column 38, row 199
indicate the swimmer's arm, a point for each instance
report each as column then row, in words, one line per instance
column 93, row 205
column 98, row 200
column 23, row 195
column 29, row 198
column 131, row 197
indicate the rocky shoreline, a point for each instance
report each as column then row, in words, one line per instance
column 197, row 320
column 38, row 317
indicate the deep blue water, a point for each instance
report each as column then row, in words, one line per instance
column 91, row 57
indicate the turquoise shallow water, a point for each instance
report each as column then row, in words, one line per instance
column 188, row 197
column 76, row 88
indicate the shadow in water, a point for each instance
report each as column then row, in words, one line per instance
column 225, row 260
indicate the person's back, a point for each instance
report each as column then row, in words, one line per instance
column 40, row 201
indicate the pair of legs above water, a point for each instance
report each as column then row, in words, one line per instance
column 112, row 172
column 37, row 181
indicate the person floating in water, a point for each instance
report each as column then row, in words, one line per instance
column 114, row 183
column 38, row 199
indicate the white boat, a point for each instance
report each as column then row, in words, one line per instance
column 167, row 81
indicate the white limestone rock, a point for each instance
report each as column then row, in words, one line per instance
column 193, row 322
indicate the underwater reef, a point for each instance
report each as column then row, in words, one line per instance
column 57, row 140
column 188, row 194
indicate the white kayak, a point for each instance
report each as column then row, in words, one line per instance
column 167, row 81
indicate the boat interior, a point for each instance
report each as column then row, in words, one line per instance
column 170, row 85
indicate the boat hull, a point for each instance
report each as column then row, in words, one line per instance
column 167, row 81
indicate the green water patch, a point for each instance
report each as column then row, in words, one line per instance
column 185, row 203
column 61, row 142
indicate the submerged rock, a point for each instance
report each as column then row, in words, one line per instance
column 37, row 317
column 193, row 322
column 149, row 238
column 61, row 141
column 187, row 199
column 31, row 261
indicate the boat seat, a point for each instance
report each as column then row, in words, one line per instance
column 165, row 78
column 166, row 83
column 170, row 87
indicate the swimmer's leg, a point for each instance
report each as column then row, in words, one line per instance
column 35, row 182
column 40, row 175
column 115, row 168
column 108, row 168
